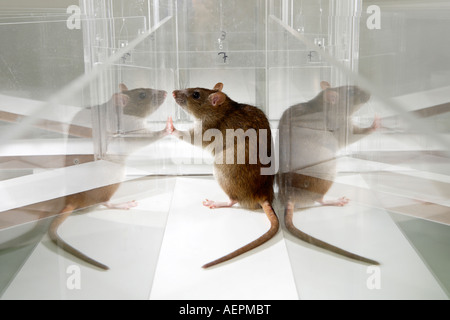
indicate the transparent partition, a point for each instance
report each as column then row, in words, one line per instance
column 218, row 43
column 83, row 98
column 364, row 135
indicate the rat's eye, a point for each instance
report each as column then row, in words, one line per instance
column 142, row 95
column 196, row 95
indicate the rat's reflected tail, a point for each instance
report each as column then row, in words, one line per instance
column 288, row 216
column 53, row 234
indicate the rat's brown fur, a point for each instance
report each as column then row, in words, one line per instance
column 243, row 183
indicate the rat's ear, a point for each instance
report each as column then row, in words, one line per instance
column 123, row 87
column 325, row 85
column 330, row 96
column 218, row 87
column 120, row 99
column 217, row 98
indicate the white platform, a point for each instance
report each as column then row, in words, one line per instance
column 156, row 250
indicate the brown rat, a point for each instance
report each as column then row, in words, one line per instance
column 242, row 181
column 310, row 135
column 136, row 105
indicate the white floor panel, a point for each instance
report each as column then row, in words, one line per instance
column 196, row 235
column 156, row 251
column 127, row 241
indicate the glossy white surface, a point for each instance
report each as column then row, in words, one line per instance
column 156, row 250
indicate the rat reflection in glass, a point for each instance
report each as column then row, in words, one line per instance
column 310, row 136
column 135, row 106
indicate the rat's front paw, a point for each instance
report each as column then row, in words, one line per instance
column 376, row 123
column 170, row 128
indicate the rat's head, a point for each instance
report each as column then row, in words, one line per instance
column 341, row 98
column 139, row 102
column 202, row 103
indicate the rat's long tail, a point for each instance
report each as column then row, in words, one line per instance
column 53, row 234
column 274, row 225
column 288, row 215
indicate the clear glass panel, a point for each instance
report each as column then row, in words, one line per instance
column 394, row 176
column 78, row 112
column 218, row 43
